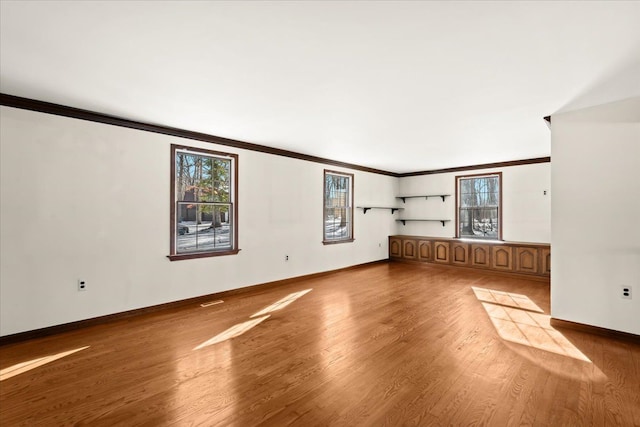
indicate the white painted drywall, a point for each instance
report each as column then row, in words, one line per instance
column 596, row 208
column 91, row 201
column 525, row 210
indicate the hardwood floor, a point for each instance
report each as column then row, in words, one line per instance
column 386, row 344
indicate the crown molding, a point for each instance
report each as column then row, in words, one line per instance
column 81, row 114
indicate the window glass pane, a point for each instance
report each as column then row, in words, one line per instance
column 467, row 197
column 214, row 229
column 203, row 227
column 479, row 222
column 219, row 178
column 186, row 227
column 193, row 178
column 482, row 191
column 336, row 191
column 337, row 224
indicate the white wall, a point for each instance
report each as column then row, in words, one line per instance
column 525, row 210
column 91, row 201
column 596, row 213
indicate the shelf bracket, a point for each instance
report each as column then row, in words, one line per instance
column 403, row 222
column 403, row 199
column 393, row 210
column 442, row 223
column 443, row 200
column 365, row 210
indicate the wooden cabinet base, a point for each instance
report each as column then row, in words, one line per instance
column 517, row 259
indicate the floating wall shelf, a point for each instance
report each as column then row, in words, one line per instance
column 426, row 196
column 366, row 208
column 404, row 220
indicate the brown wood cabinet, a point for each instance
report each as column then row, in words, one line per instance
column 526, row 259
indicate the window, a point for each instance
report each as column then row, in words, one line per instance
column 338, row 207
column 203, row 203
column 479, row 211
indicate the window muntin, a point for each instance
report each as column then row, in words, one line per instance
column 204, row 217
column 338, row 207
column 479, row 210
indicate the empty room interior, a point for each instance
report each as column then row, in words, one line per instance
column 320, row 213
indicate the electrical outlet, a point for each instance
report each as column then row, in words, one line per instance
column 626, row 292
column 82, row 285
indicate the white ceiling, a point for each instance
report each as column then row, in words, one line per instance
column 398, row 86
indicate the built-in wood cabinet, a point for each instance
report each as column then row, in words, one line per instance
column 530, row 259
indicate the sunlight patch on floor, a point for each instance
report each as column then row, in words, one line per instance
column 22, row 367
column 257, row 318
column 523, row 322
column 282, row 303
column 232, row 332
column 509, row 299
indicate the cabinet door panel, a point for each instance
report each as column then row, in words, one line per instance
column 502, row 258
column 395, row 247
column 481, row 256
column 527, row 260
column 460, row 253
column 425, row 251
column 441, row 252
column 409, row 249
column 546, row 261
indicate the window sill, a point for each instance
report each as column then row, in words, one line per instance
column 479, row 239
column 180, row 257
column 335, row 242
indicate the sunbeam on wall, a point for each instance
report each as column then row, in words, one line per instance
column 518, row 319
